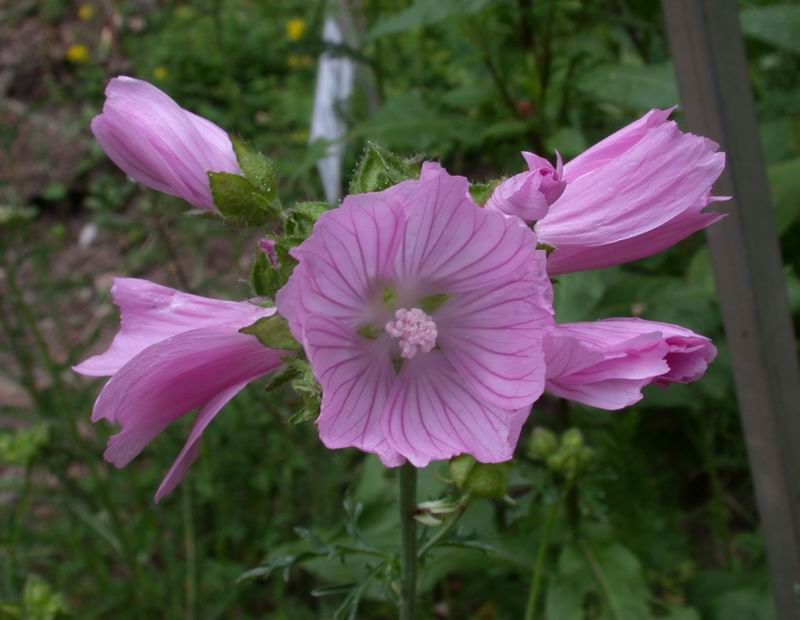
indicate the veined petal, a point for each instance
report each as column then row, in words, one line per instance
column 189, row 453
column 174, row 376
column 607, row 363
column 452, row 245
column 151, row 313
column 356, row 375
column 432, row 415
column 344, row 262
column 568, row 259
column 493, row 338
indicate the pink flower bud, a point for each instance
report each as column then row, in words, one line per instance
column 529, row 194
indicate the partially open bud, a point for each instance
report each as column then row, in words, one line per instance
column 528, row 195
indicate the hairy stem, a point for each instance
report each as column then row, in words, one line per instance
column 408, row 540
column 544, row 542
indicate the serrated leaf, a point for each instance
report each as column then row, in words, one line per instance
column 379, row 168
column 238, row 200
column 273, row 331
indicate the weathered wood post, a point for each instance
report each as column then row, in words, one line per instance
column 711, row 68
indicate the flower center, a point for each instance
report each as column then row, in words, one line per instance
column 415, row 329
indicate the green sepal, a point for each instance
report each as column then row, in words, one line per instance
column 306, row 387
column 301, row 218
column 239, row 201
column 257, row 168
column 272, row 331
column 281, row 377
column 547, row 248
column 379, row 168
column 480, row 479
column 264, row 277
column 481, row 192
column 433, row 302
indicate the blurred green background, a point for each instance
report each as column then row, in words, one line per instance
column 661, row 524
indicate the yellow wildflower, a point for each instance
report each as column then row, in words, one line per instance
column 77, row 52
column 295, row 28
column 85, row 12
column 160, row 72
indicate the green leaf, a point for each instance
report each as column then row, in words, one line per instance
column 425, row 13
column 239, row 201
column 632, row 87
column 257, row 168
column 21, row 446
column 40, row 601
column 273, row 331
column 778, row 25
column 481, row 192
column 379, row 168
column 784, row 181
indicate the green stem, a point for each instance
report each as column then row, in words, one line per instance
column 408, row 540
column 445, row 529
column 536, row 580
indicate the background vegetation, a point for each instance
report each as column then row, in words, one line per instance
column 661, row 520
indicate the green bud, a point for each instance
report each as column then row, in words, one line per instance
column 380, row 168
column 480, row 479
column 542, row 444
column 572, row 439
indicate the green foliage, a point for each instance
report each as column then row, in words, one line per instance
column 239, row 201
column 379, row 168
column 776, row 25
column 273, row 332
column 480, row 479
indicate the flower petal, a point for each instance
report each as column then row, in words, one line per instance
column 451, row 245
column 189, row 453
column 356, row 375
column 432, row 415
column 344, row 262
column 493, row 338
column 151, row 313
column 174, row 376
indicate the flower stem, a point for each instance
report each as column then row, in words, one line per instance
column 408, row 540
column 536, row 580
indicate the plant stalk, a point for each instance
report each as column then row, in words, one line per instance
column 536, row 580
column 407, row 479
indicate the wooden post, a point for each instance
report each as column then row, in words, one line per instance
column 711, row 69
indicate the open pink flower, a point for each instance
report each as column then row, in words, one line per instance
column 174, row 353
column 607, row 363
column 160, row 144
column 529, row 194
column 637, row 192
column 423, row 317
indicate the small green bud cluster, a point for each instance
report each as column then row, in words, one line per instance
column 568, row 456
column 480, row 479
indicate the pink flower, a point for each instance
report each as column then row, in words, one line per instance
column 529, row 194
column 422, row 316
column 607, row 363
column 174, row 352
column 160, row 144
column 631, row 195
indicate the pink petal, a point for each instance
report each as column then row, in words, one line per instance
column 356, row 375
column 433, row 415
column 190, row 450
column 648, row 176
column 493, row 338
column 579, row 258
column 607, row 363
column 451, row 245
column 151, row 313
column 174, row 376
column 342, row 264
column 160, row 144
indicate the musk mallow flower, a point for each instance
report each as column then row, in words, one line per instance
column 174, row 352
column 528, row 195
column 635, row 193
column 161, row 145
column 606, row 363
column 422, row 316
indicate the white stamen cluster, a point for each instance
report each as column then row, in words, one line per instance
column 415, row 329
